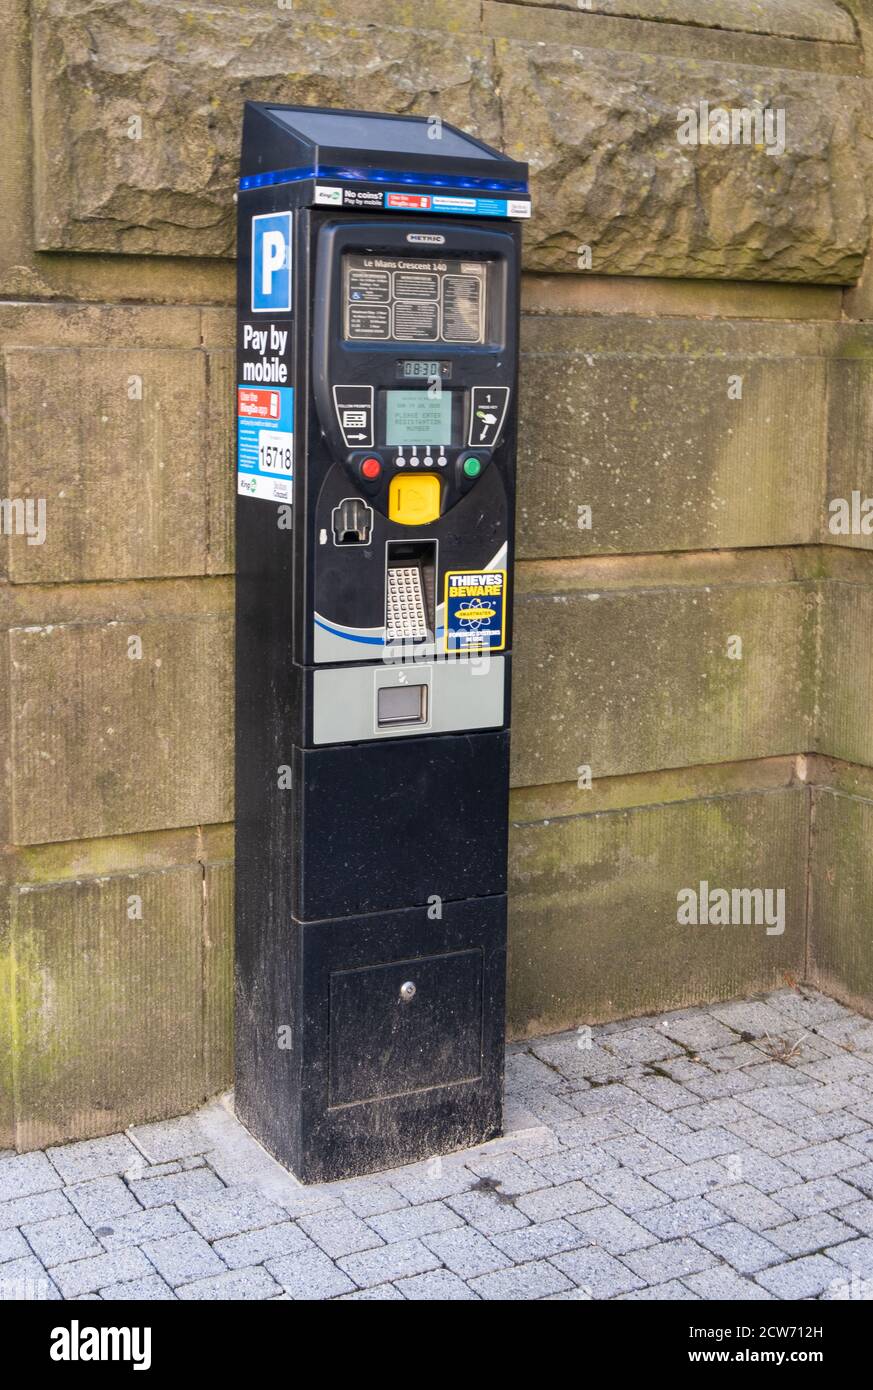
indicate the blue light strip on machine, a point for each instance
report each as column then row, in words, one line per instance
column 382, row 176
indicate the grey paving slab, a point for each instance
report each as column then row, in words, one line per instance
column 725, row 1283
column 766, row 1135
column 824, row 1097
column 13, row 1246
column 431, row 1181
column 671, row 1259
column 641, row 1155
column 438, row 1284
column 171, row 1139
column 712, row 1114
column 90, row 1276
column 102, row 1200
column 254, row 1247
column 851, row 1030
column 747, row 1204
column 485, row 1211
column 388, row 1262
column 661, row 1091
column 672, row 1292
column 602, row 1098
column 714, row 1142
column 382, row 1293
column 692, row 1179
column 312, row 1275
column 681, row 1218
column 94, row 1158
column 340, row 1232
column 26, row 1281
column 751, row 1016
column 803, row 1278
column 861, row 1178
column 424, row 1220
column 550, row 1203
column 37, row 1207
column 744, row 1250
column 535, row 1280
column 466, row 1252
column 369, row 1198
column 61, row 1239
column 180, row 1259
column 230, row 1211
column 537, row 1242
column 760, row 1170
column 824, row 1160
column 820, row 1194
column 612, row 1229
column 142, row 1225
column 854, row 1255
column 858, row 1214
column 151, row 1289
column 178, row 1187
column 700, row 1033
column 862, row 1141
column 832, row 1124
column 642, row 1045
column 513, row 1175
column 625, row 1190
column 600, row 1274
column 807, row 1008
column 234, row 1284
column 571, row 1165
column 731, row 1056
column 524, row 1071
column 22, row 1175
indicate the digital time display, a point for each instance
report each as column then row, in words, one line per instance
column 416, row 370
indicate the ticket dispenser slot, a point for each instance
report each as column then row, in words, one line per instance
column 377, row 352
column 410, row 580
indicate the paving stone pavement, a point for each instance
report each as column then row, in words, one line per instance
column 716, row 1152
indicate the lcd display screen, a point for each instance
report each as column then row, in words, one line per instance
column 417, row 417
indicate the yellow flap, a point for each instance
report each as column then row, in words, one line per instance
column 414, row 498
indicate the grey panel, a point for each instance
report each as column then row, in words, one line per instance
column 460, row 695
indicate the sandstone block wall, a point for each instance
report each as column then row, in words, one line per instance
column 697, row 389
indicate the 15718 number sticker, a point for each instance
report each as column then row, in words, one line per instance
column 275, row 451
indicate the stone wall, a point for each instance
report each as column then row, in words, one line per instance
column 698, row 371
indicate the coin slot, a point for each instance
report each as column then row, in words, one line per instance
column 401, row 704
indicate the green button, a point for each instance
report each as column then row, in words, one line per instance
column 472, row 467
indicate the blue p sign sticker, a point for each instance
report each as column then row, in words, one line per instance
column 271, row 263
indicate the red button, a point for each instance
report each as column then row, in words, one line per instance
column 371, row 468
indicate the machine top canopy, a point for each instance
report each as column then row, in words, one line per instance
column 290, row 143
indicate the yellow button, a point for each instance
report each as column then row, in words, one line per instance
column 414, row 498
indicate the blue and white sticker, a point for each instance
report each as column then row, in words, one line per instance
column 265, row 442
column 271, row 263
column 464, row 206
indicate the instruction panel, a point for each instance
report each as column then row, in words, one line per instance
column 389, row 299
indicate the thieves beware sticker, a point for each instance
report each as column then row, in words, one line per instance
column 475, row 611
